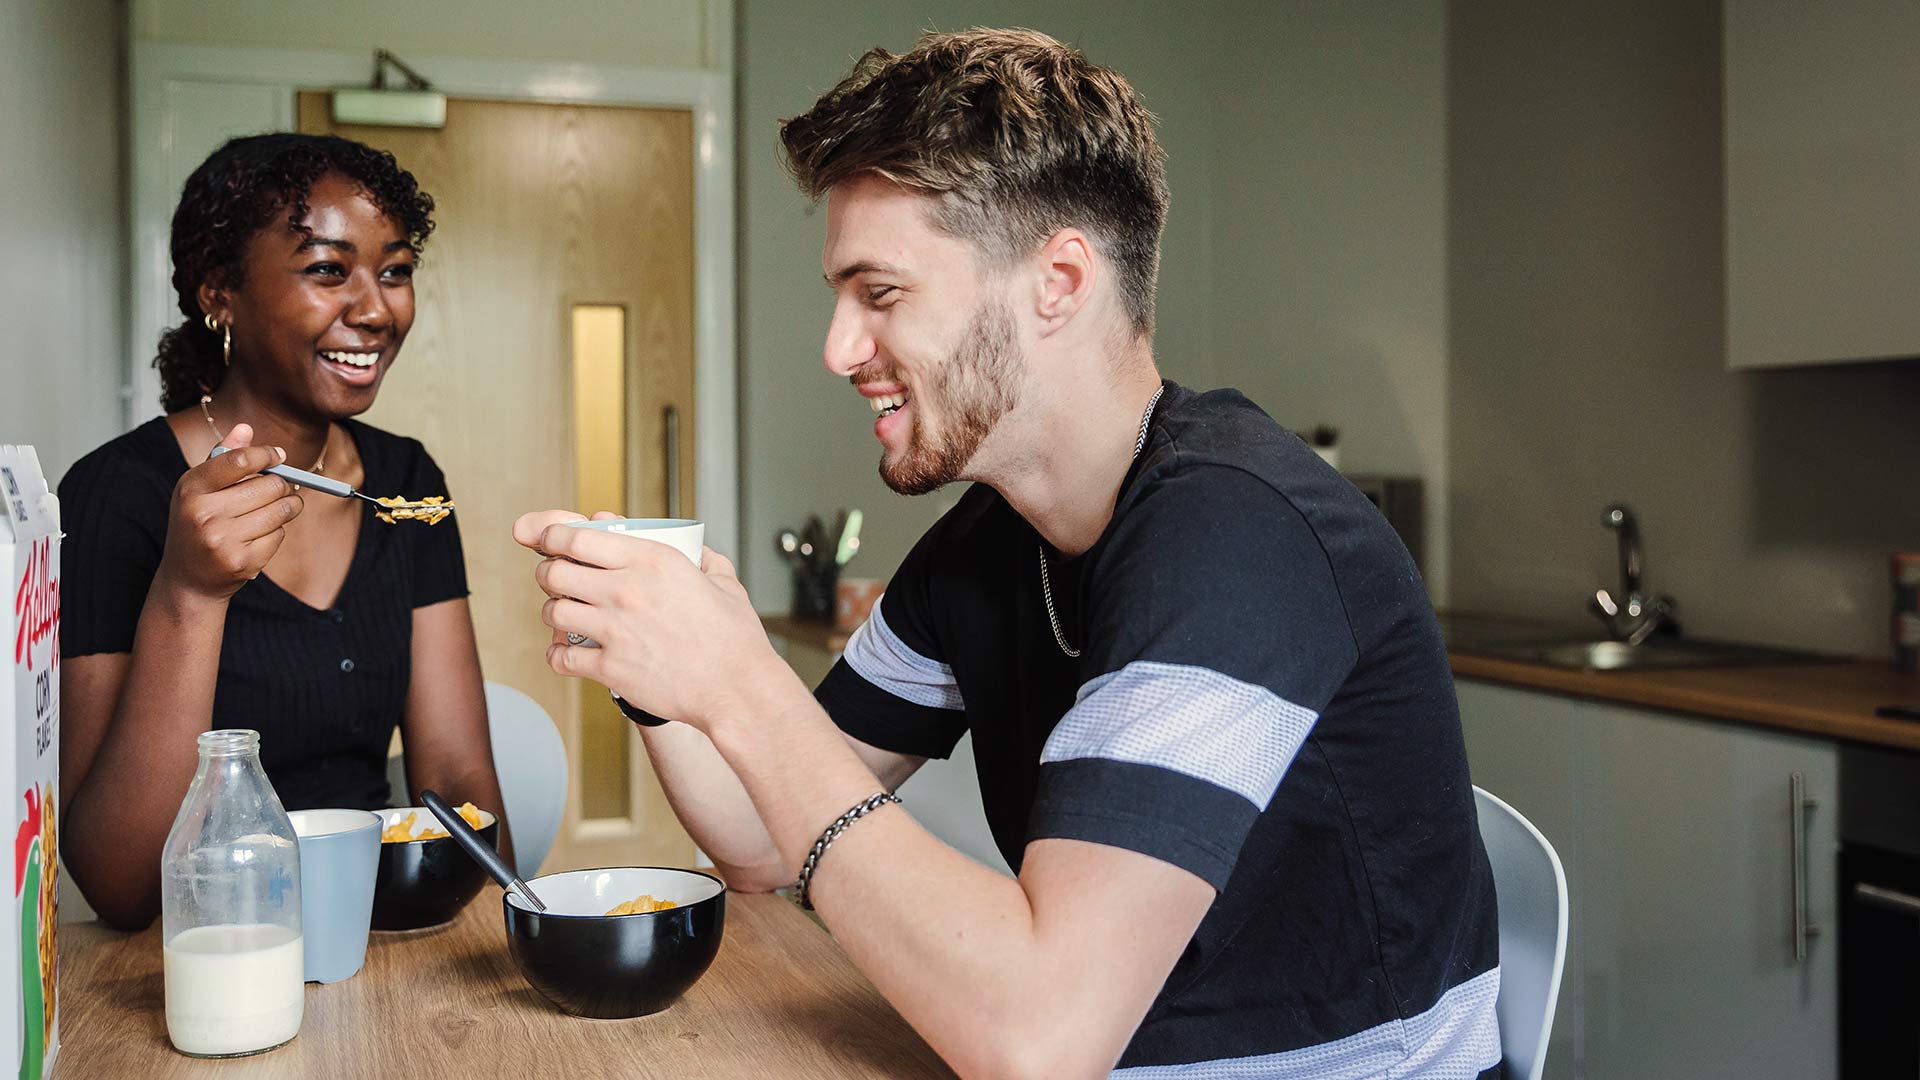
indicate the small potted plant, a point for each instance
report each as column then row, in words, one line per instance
column 1325, row 440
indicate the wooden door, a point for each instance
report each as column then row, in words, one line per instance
column 562, row 232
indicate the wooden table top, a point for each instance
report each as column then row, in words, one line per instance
column 781, row 999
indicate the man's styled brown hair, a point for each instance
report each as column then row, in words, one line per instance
column 1015, row 135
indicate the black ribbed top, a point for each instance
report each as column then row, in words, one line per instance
column 325, row 689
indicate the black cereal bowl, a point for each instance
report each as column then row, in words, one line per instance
column 610, row 967
column 423, row 883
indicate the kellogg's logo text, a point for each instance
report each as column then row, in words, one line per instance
column 36, row 607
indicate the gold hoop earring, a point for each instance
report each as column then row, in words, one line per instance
column 213, row 325
column 226, row 346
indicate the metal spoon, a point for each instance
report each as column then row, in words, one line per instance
column 789, row 543
column 305, row 479
column 482, row 852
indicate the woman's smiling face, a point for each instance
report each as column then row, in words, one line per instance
column 320, row 315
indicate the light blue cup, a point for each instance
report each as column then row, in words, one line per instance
column 339, row 852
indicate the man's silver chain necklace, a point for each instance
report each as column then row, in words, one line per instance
column 1046, row 584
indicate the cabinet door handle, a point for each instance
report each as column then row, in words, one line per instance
column 1887, row 899
column 1800, row 805
column 670, row 423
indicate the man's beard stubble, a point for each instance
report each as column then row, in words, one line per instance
column 975, row 388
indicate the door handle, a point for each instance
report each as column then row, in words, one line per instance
column 670, row 424
column 1887, row 899
column 1800, row 805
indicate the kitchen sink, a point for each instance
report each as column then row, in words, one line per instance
column 1656, row 652
column 1639, row 631
column 1570, row 649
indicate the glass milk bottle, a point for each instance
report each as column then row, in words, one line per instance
column 230, row 908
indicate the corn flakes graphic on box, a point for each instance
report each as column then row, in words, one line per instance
column 30, row 760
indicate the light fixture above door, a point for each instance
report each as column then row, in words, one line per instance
column 417, row 104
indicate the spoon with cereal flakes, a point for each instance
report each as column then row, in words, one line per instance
column 433, row 509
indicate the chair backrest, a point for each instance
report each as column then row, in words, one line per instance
column 530, row 761
column 1532, row 891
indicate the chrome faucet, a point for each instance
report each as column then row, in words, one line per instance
column 1634, row 616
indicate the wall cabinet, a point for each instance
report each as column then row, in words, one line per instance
column 1822, row 147
column 1682, row 856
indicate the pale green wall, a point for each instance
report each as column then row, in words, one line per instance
column 1329, row 210
column 63, row 282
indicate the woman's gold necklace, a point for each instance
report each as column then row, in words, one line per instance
column 433, row 509
column 219, row 436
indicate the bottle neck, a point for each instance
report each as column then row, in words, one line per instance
column 229, row 744
column 228, row 753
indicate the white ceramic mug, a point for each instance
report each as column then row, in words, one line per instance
column 682, row 535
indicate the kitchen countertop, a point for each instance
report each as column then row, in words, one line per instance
column 815, row 635
column 1834, row 699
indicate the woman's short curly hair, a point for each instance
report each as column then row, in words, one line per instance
column 1014, row 135
column 244, row 187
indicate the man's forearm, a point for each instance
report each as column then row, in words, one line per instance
column 714, row 808
column 955, row 947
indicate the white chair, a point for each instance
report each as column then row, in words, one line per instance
column 530, row 761
column 1532, row 892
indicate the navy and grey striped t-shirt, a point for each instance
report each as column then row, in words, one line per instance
column 1263, row 699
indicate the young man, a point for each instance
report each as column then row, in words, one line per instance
column 1213, row 716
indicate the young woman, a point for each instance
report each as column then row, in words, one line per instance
column 200, row 593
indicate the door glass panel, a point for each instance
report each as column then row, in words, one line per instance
column 600, row 464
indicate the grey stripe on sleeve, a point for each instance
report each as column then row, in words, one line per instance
column 1456, row 1039
column 1192, row 720
column 878, row 655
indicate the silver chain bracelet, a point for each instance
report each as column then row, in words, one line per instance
column 840, row 824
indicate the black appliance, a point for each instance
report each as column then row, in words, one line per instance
column 1402, row 503
column 1879, row 913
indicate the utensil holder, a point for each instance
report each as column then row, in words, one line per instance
column 813, row 592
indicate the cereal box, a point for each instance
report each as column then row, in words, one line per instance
column 30, row 760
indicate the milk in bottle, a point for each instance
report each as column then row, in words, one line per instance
column 230, row 908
